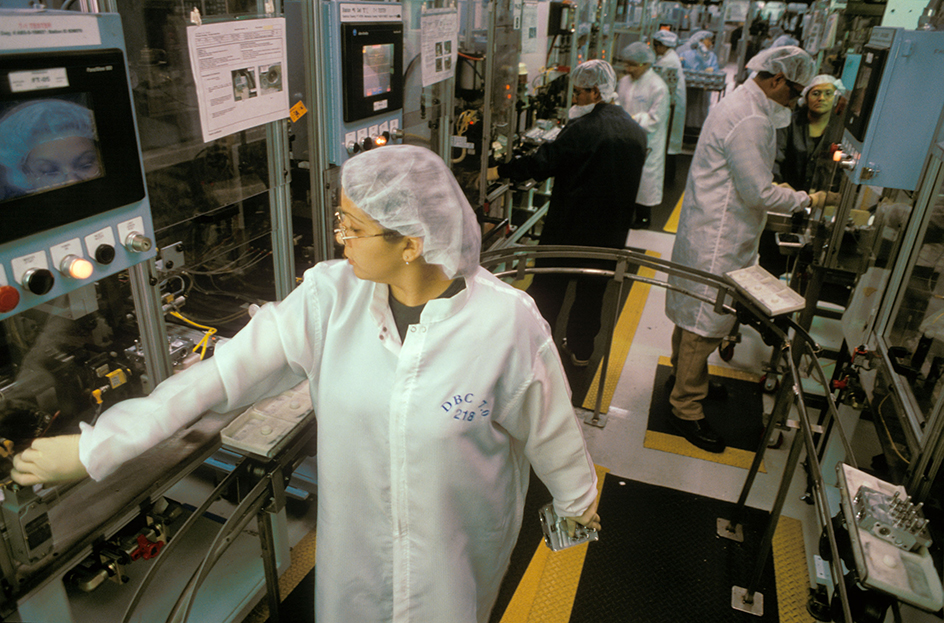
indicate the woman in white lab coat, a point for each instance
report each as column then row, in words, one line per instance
column 663, row 44
column 436, row 388
column 644, row 95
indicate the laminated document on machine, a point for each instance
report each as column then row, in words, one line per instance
column 773, row 296
column 267, row 426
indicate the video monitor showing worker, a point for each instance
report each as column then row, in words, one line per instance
column 378, row 68
column 47, row 143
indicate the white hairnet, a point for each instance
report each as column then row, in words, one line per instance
column 596, row 73
column 823, row 79
column 784, row 40
column 666, row 37
column 24, row 127
column 699, row 35
column 409, row 189
column 795, row 64
column 638, row 52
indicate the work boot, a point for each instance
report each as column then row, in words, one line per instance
column 699, row 433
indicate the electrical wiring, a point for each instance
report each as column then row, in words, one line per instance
column 207, row 336
column 888, row 433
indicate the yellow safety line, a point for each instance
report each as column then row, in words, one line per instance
column 671, row 226
column 303, row 561
column 791, row 572
column 547, row 590
column 622, row 339
column 728, row 373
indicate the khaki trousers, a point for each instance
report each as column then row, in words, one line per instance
column 690, row 353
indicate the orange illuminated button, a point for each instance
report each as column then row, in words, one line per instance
column 76, row 267
column 9, row 298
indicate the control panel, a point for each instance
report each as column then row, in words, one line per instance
column 72, row 188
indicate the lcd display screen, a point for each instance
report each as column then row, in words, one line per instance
column 47, row 143
column 378, row 68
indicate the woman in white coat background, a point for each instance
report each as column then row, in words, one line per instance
column 663, row 44
column 436, row 387
column 644, row 95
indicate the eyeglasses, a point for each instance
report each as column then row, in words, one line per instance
column 341, row 232
column 827, row 94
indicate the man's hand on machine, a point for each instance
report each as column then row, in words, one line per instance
column 589, row 519
column 49, row 460
column 821, row 199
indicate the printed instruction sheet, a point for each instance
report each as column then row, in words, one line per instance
column 439, row 34
column 240, row 72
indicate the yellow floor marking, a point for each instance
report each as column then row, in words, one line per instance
column 671, row 226
column 678, row 445
column 547, row 590
column 303, row 561
column 622, row 339
column 735, row 457
column 728, row 373
column 791, row 572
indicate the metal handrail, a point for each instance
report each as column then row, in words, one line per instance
column 516, row 262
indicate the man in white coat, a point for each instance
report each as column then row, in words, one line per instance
column 663, row 43
column 644, row 95
column 729, row 192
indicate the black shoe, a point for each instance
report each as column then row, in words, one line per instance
column 716, row 391
column 699, row 433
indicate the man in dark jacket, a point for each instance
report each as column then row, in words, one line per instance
column 596, row 162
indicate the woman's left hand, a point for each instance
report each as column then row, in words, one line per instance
column 589, row 519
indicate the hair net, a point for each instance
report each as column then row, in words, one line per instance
column 823, row 79
column 784, row 40
column 699, row 35
column 25, row 126
column 596, row 73
column 795, row 64
column 410, row 190
column 665, row 37
column 638, row 52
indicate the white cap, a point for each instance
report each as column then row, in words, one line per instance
column 666, row 37
column 596, row 73
column 794, row 63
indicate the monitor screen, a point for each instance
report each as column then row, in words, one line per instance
column 47, row 143
column 378, row 67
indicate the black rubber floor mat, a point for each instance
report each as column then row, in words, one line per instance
column 659, row 559
column 738, row 419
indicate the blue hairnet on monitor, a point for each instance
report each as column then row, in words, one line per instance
column 596, row 73
column 28, row 125
column 409, row 190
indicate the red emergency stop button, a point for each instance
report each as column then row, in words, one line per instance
column 9, row 298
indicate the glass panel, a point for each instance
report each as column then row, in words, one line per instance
column 916, row 337
column 185, row 176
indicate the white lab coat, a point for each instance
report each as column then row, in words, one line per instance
column 729, row 192
column 677, row 131
column 424, row 447
column 647, row 102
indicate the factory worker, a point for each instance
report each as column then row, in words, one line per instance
column 645, row 96
column 436, row 386
column 664, row 43
column 730, row 189
column 596, row 162
column 804, row 153
column 697, row 53
column 47, row 143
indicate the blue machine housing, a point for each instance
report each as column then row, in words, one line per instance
column 343, row 135
column 100, row 234
column 905, row 107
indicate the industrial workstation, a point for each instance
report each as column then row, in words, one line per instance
column 471, row 311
